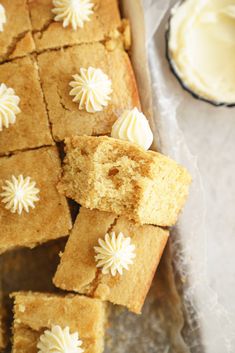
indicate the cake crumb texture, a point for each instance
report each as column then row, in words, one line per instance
column 120, row 177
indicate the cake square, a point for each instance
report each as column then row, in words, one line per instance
column 16, row 39
column 65, row 117
column 78, row 272
column 118, row 176
column 48, row 34
column 31, row 128
column 50, row 219
column 36, row 312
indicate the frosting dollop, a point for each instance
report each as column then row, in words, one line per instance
column 114, row 254
column 72, row 12
column 133, row 126
column 58, row 340
column 9, row 106
column 19, row 194
column 92, row 89
column 3, row 18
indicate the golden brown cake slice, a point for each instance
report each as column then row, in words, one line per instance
column 64, row 114
column 31, row 128
column 120, row 177
column 50, row 219
column 48, row 33
column 36, row 312
column 78, row 272
column 16, row 39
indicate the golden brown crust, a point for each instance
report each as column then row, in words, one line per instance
column 25, row 41
column 64, row 114
column 77, row 270
column 120, row 37
column 32, row 127
column 50, row 219
column 120, row 177
column 16, row 39
column 51, row 34
column 35, row 312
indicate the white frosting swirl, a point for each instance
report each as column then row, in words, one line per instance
column 58, row 340
column 92, row 89
column 3, row 18
column 133, row 126
column 74, row 12
column 114, row 253
column 19, row 194
column 9, row 106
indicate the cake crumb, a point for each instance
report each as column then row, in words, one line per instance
column 21, row 308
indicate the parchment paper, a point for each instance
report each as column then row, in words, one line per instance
column 193, row 248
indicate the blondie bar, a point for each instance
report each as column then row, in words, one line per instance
column 36, row 312
column 65, row 117
column 31, row 128
column 16, row 39
column 78, row 272
column 50, row 219
column 118, row 176
column 48, row 34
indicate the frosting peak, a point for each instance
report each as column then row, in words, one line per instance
column 114, row 254
column 133, row 126
column 74, row 12
column 3, row 18
column 9, row 106
column 58, row 340
column 92, row 89
column 19, row 194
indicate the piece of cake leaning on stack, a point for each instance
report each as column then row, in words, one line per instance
column 67, row 82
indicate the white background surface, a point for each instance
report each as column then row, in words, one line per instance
column 202, row 137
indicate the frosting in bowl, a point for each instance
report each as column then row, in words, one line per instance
column 201, row 48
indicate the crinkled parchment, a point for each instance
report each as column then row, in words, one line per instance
column 205, row 315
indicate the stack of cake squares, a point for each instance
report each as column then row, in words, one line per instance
column 70, row 155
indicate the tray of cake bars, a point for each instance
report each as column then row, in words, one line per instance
column 87, row 200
